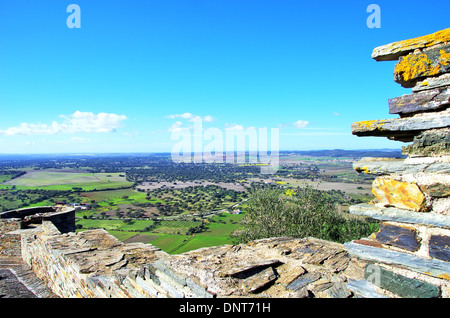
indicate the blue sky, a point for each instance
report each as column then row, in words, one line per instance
column 137, row 70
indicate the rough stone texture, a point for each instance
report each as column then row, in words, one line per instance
column 404, row 237
column 430, row 143
column 18, row 281
column 440, row 247
column 312, row 268
column 404, row 195
column 392, row 51
column 401, row 215
column 427, row 266
column 406, row 105
column 9, row 243
column 438, row 190
column 401, row 129
column 387, row 166
column 420, row 65
column 432, row 83
column 399, row 284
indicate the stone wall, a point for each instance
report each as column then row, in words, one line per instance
column 94, row 264
column 9, row 243
column 14, row 220
column 410, row 255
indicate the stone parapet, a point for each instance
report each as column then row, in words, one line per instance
column 410, row 254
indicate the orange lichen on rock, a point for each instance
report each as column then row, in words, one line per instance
column 393, row 51
column 444, row 59
column 400, row 194
column 368, row 125
column 415, row 66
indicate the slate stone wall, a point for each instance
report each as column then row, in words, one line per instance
column 410, row 254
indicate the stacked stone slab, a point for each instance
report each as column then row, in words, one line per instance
column 410, row 255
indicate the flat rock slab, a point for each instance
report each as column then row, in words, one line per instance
column 402, row 129
column 399, row 236
column 403, row 195
column 432, row 83
column 386, row 166
column 440, row 247
column 421, row 65
column 303, row 281
column 400, row 215
column 400, row 285
column 429, row 143
column 430, row 267
column 392, row 51
column 434, row 99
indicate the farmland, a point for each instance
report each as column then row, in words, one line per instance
column 177, row 207
column 68, row 179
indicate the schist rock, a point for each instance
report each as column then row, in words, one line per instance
column 440, row 247
column 401, row 129
column 403, row 195
column 392, row 51
column 399, row 236
column 434, row 142
column 432, row 83
column 435, row 99
column 423, row 64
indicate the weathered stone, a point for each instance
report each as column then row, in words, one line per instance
column 432, row 83
column 402, row 129
column 386, row 166
column 400, row 285
column 437, row 190
column 400, row 215
column 430, row 143
column 247, row 269
column 400, row 194
column 392, row 51
column 440, row 247
column 399, row 236
column 259, row 281
column 338, row 262
column 435, row 99
column 337, row 290
column 288, row 273
column 430, row 267
column 364, row 289
column 304, row 280
column 417, row 66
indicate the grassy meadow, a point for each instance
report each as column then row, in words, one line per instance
column 61, row 179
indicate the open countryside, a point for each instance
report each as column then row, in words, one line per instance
column 176, row 207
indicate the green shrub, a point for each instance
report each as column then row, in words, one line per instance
column 305, row 213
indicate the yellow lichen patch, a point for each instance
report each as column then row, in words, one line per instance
column 414, row 66
column 421, row 42
column 400, row 194
column 444, row 59
column 444, row 276
column 368, row 125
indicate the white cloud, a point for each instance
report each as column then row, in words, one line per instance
column 301, row 124
column 177, row 127
column 336, row 114
column 78, row 122
column 192, row 117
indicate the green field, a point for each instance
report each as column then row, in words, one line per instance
column 170, row 235
column 60, row 179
